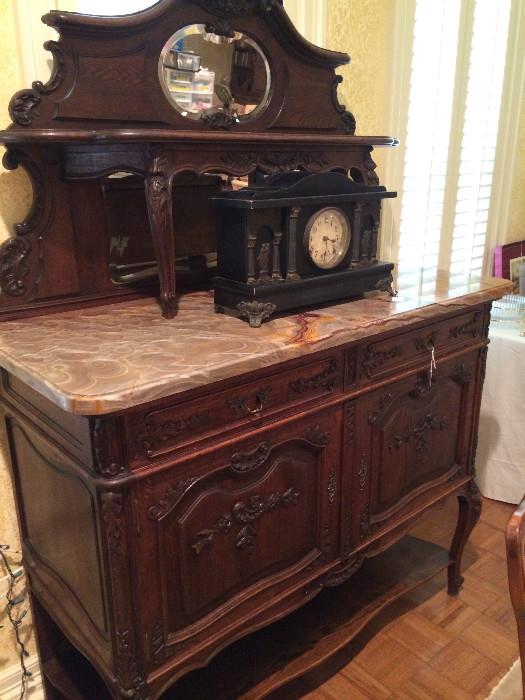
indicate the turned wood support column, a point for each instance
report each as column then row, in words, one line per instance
column 292, row 275
column 158, row 185
column 356, row 233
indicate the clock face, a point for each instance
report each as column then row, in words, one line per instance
column 327, row 238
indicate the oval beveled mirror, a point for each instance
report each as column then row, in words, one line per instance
column 205, row 74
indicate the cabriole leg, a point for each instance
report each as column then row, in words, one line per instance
column 469, row 512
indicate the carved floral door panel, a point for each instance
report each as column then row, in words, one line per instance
column 228, row 530
column 401, row 426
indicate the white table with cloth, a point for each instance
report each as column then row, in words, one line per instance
column 500, row 462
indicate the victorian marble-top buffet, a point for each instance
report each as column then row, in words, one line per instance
column 199, row 498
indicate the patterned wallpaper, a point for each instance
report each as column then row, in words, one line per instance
column 15, row 197
column 516, row 231
column 363, row 29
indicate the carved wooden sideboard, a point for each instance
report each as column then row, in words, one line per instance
column 190, row 493
column 184, row 481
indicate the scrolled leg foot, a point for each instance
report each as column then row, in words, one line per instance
column 387, row 285
column 469, row 513
column 256, row 312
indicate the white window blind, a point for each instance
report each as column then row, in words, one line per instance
column 454, row 103
column 480, row 135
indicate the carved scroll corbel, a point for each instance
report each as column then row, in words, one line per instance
column 57, row 75
column 348, row 119
column 158, row 186
column 16, row 252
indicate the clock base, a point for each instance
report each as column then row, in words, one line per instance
column 257, row 303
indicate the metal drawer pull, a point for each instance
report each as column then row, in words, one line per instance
column 240, row 406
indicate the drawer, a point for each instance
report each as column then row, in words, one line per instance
column 413, row 348
column 156, row 432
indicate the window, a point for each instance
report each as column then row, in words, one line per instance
column 456, row 58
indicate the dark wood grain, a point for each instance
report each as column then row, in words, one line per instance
column 515, row 541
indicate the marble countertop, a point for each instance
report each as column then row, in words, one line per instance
column 106, row 359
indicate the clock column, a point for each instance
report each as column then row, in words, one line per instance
column 292, row 275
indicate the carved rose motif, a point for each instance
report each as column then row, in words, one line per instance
column 14, row 267
column 23, row 107
column 245, row 514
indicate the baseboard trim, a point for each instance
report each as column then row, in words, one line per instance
column 10, row 682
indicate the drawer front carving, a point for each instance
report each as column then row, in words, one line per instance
column 225, row 528
column 417, row 436
column 415, row 347
column 158, row 432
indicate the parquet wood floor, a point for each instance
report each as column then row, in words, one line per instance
column 427, row 645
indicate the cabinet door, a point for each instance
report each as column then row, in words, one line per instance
column 231, row 530
column 411, row 439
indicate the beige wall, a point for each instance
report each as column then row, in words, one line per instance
column 516, row 230
column 363, row 28
column 15, row 195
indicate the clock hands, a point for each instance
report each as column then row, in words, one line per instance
column 333, row 241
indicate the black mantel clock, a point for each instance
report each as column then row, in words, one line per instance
column 298, row 240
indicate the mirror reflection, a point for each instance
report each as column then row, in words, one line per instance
column 204, row 73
